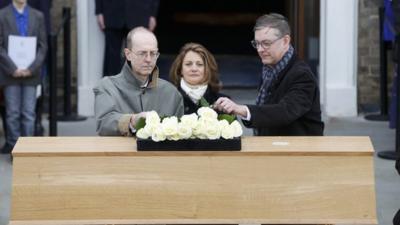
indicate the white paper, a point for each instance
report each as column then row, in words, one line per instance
column 22, row 50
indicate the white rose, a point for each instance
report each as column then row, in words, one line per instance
column 184, row 131
column 141, row 133
column 158, row 135
column 237, row 128
column 200, row 131
column 207, row 112
column 227, row 132
column 174, row 137
column 189, row 120
column 208, row 120
column 212, row 131
column 222, row 124
column 152, row 118
column 149, row 128
column 170, row 126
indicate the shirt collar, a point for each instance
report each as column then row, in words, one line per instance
column 131, row 77
column 23, row 14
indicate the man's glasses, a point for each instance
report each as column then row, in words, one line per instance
column 264, row 44
column 143, row 54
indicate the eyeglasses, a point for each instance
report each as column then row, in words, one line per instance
column 143, row 54
column 265, row 44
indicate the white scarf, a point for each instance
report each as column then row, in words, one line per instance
column 195, row 92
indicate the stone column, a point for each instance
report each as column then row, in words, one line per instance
column 338, row 55
column 90, row 56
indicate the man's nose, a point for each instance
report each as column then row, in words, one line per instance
column 148, row 58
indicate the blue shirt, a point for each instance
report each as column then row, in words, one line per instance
column 388, row 24
column 22, row 21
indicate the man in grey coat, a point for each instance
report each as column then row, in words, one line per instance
column 19, row 19
column 122, row 99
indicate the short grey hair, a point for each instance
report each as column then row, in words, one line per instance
column 273, row 20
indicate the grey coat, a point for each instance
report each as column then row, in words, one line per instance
column 118, row 97
column 8, row 26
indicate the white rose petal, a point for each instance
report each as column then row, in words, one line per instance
column 152, row 118
column 222, row 124
column 227, row 133
column 212, row 131
column 189, row 120
column 141, row 133
column 207, row 112
column 169, row 126
column 174, row 137
column 208, row 120
column 149, row 128
column 158, row 135
column 237, row 128
column 184, row 131
column 200, row 131
column 171, row 120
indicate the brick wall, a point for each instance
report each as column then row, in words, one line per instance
column 368, row 53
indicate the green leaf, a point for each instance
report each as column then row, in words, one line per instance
column 227, row 117
column 140, row 123
column 204, row 103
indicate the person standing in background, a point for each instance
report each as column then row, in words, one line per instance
column 116, row 18
column 43, row 6
column 19, row 19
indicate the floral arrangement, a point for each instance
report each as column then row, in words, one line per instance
column 206, row 124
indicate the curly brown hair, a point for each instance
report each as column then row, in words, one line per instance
column 210, row 66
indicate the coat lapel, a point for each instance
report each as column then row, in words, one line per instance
column 11, row 20
column 31, row 21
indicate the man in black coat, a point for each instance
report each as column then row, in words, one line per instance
column 116, row 18
column 288, row 101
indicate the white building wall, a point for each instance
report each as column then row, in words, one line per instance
column 90, row 56
column 338, row 57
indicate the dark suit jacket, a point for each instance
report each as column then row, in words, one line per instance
column 293, row 108
column 8, row 26
column 128, row 14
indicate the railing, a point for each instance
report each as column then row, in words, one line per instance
column 395, row 154
column 383, row 89
column 68, row 115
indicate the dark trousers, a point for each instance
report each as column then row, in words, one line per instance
column 113, row 58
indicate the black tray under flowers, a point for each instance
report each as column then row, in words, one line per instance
column 221, row 144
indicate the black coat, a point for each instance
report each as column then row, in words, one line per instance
column 396, row 219
column 293, row 107
column 128, row 14
column 190, row 107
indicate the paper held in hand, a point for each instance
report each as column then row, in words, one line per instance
column 22, row 50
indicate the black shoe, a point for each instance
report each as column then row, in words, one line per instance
column 6, row 149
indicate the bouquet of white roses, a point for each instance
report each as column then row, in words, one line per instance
column 206, row 124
